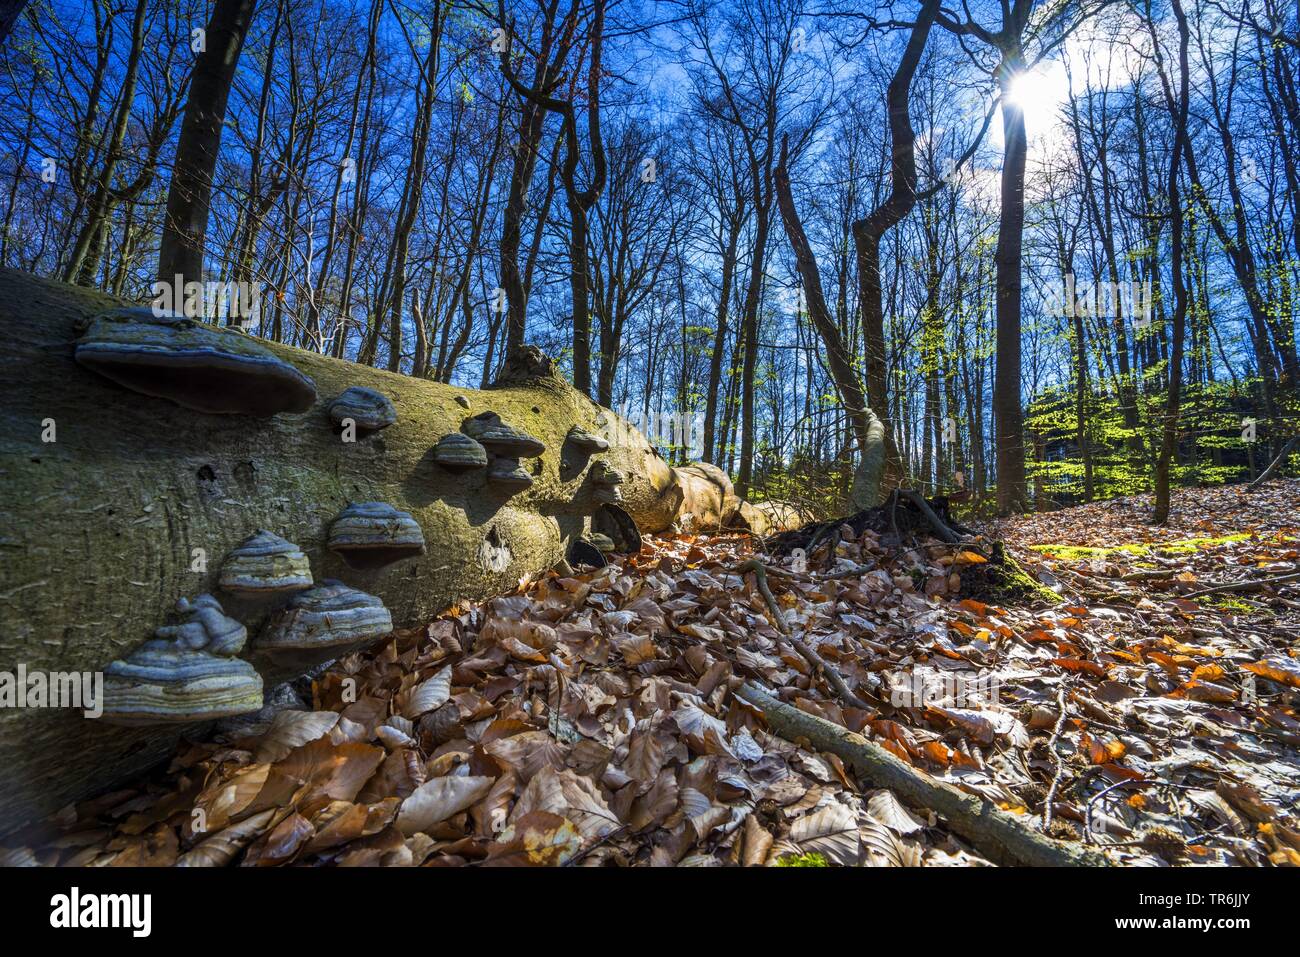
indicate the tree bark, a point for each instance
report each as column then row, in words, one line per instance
column 81, row 265
column 189, row 196
column 868, row 430
column 1178, row 108
column 99, row 526
column 867, row 232
column 1008, row 413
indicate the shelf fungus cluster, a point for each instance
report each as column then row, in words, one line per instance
column 368, row 410
column 263, row 565
column 506, row 446
column 194, row 364
column 328, row 618
column 371, row 535
column 187, row 673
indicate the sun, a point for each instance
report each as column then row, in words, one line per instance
column 1038, row 93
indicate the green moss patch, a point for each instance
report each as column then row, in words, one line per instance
column 1180, row 547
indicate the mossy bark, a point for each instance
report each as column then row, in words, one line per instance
column 99, row 528
column 1003, row 579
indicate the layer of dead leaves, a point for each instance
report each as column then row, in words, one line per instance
column 590, row 720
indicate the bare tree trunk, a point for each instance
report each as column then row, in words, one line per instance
column 867, row 232
column 547, row 75
column 868, row 430
column 720, row 334
column 81, row 265
column 579, row 201
column 190, row 195
column 411, row 198
column 1178, row 106
column 1008, row 414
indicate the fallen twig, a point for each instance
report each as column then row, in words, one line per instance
column 1249, row 584
column 1060, row 765
column 1002, row 837
column 812, row 657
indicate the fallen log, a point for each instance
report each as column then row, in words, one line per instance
column 119, row 501
column 708, row 498
column 1002, row 837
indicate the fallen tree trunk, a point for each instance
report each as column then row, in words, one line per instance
column 117, row 504
column 1002, row 837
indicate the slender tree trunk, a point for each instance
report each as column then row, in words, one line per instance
column 1179, row 107
column 190, row 194
column 749, row 341
column 720, row 335
column 867, row 232
column 868, row 431
column 1008, row 415
column 414, row 188
column 81, row 265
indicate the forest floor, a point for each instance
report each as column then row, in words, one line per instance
column 591, row 719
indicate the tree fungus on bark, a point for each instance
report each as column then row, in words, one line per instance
column 148, row 461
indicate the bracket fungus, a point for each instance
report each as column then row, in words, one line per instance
column 587, row 441
column 206, row 626
column 187, row 673
column 265, row 564
column 194, row 364
column 606, row 479
column 374, row 534
column 329, row 617
column 509, row 474
column 500, row 439
column 617, row 525
column 457, row 452
column 584, row 552
column 368, row 409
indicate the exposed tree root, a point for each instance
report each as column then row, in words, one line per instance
column 901, row 513
column 907, row 514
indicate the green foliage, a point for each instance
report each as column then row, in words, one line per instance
column 819, row 488
column 803, row 860
column 1211, row 448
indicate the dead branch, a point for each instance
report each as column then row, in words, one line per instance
column 814, row 659
column 1272, row 466
column 1002, row 837
column 1249, row 584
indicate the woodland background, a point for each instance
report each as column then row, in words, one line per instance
column 384, row 169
